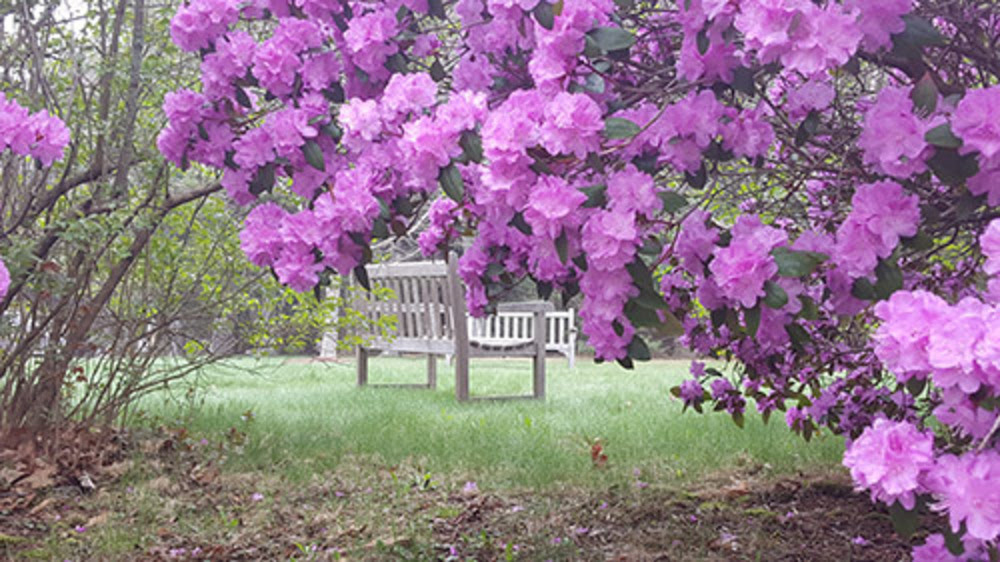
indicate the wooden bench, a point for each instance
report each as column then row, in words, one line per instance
column 507, row 327
column 431, row 319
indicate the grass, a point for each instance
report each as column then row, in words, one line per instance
column 288, row 459
column 309, row 417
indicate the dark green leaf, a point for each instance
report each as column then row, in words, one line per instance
column 263, row 180
column 921, row 32
column 738, row 419
column 638, row 350
column 619, row 128
column 809, row 309
column 916, row 386
column 743, row 80
column 332, row 130
column 925, row 95
column 379, row 228
column 361, row 274
column 242, row 98
column 611, row 38
column 544, row 15
column 626, row 362
column 888, row 279
column 920, row 242
column 640, row 315
column 774, row 295
column 436, row 9
column 651, row 299
column 675, row 391
column 596, row 196
column 718, row 317
column 314, row 155
column 953, row 541
column 335, row 93
column 943, row 137
column 807, row 129
column 437, row 71
column 752, row 318
column 862, row 289
column 672, row 201
column 642, row 277
column 472, row 146
column 648, row 162
column 793, row 263
column 651, row 247
column 590, row 48
column 698, row 179
column 904, row 521
column 452, row 183
column 562, row 247
column 594, row 83
column 799, row 336
column 703, row 41
column 519, row 223
column 544, row 290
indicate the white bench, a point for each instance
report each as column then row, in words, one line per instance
column 430, row 316
column 506, row 328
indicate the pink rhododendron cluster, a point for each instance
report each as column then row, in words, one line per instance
column 39, row 135
column 802, row 187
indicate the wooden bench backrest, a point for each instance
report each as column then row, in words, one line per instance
column 425, row 298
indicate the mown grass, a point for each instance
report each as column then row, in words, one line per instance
column 309, row 417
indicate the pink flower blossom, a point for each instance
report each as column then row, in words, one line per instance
column 975, row 122
column 967, row 487
column 888, row 459
column 892, row 136
column 741, row 268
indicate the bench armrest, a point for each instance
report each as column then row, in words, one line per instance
column 526, row 306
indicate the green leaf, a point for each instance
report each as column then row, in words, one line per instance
column 651, row 299
column 640, row 315
column 638, row 350
column 242, row 98
column 807, row 129
column 793, row 263
column 752, row 317
column 862, row 289
column 642, row 277
column 596, row 196
column 437, row 71
column 738, row 419
column 904, row 521
column 620, row 128
column 332, row 130
column 361, row 274
column 953, row 541
column 916, row 386
column 703, row 41
column 594, row 83
column 920, row 242
column 888, row 279
column 651, row 247
column 774, row 295
column 698, row 179
column 626, row 363
column 672, row 201
column 263, row 180
column 925, row 95
column 545, row 15
column 562, row 247
column 519, row 223
column 921, row 32
column 611, row 38
column 472, row 146
column 452, row 183
column 799, row 336
column 743, row 80
column 943, row 137
column 314, row 155
column 436, row 9
column 809, row 309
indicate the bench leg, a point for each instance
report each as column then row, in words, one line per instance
column 432, row 371
column 362, row 358
column 538, row 365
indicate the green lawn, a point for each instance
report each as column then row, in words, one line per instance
column 310, row 416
